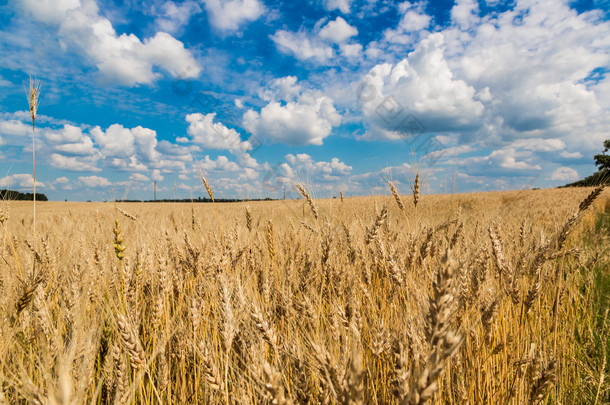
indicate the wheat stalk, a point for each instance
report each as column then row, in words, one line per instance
column 33, row 95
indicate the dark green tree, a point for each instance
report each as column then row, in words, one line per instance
column 602, row 161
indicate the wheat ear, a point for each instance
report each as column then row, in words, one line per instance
column 310, row 201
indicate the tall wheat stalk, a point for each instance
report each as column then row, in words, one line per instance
column 33, row 95
column 209, row 190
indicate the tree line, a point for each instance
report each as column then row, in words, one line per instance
column 16, row 195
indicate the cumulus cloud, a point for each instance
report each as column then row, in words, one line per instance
column 465, row 13
column 302, row 46
column 502, row 162
column 341, row 5
column 534, row 60
column 325, row 171
column 571, row 155
column 283, row 88
column 174, row 16
column 74, row 163
column 411, row 28
column 95, row 181
column 294, row 168
column 116, row 141
column 565, row 174
column 70, row 140
column 123, row 58
column 525, row 78
column 421, row 85
column 138, row 149
column 146, row 143
column 307, row 120
column 222, row 163
column 138, row 177
column 156, row 175
column 230, row 15
column 15, row 128
column 351, row 51
column 214, row 135
column 539, row 145
column 338, row 31
column 322, row 45
column 78, row 148
column 21, row 181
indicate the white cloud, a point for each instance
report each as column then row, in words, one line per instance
column 230, row 15
column 523, row 78
column 117, row 141
column 325, row 171
column 73, row 163
column 414, row 20
column 70, row 140
column 338, row 31
column 174, row 16
column 21, row 181
column 539, row 145
column 422, row 85
column 501, row 163
column 321, row 45
column 146, row 143
column 138, row 177
column 221, row 163
column 465, row 13
column 214, row 135
column 299, row 168
column 411, row 28
column 283, row 88
column 156, row 175
column 301, row 46
column 61, row 180
column 565, row 174
column 507, row 159
column 351, row 50
column 50, row 11
column 248, row 174
column 15, row 128
column 307, row 120
column 123, row 58
column 95, row 181
column 342, row 5
column 570, row 155
column 534, row 60
column 135, row 149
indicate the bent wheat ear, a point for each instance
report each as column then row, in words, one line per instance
column 137, row 357
column 310, row 201
column 396, row 196
column 205, row 183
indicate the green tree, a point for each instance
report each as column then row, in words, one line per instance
column 602, row 161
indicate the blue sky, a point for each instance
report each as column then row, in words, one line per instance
column 339, row 94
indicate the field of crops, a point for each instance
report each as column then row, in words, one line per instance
column 490, row 298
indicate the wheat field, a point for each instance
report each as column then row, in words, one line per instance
column 488, row 298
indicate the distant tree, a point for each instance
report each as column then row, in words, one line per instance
column 602, row 161
column 16, row 195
